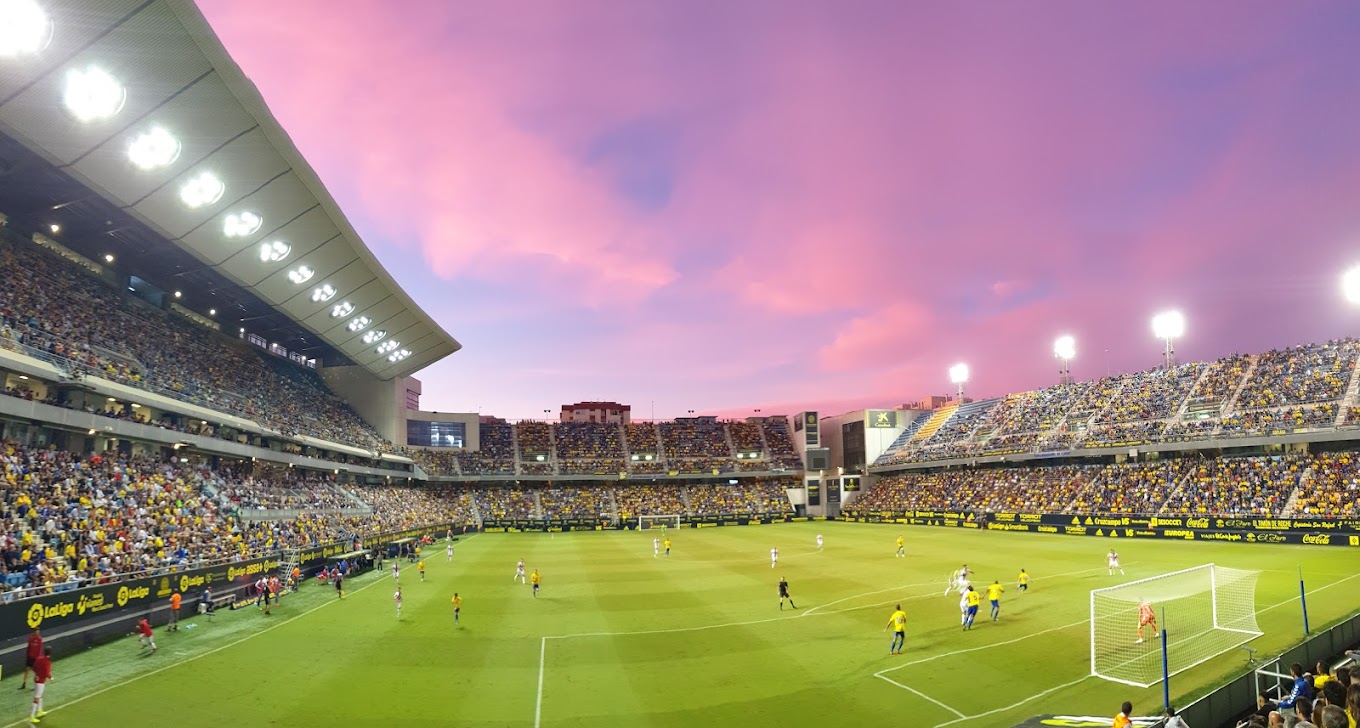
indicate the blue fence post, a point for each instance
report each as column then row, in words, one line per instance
column 1303, row 601
column 1166, row 668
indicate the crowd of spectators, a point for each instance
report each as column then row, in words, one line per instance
column 568, row 501
column 533, row 439
column 55, row 307
column 746, row 437
column 779, row 439
column 1222, row 378
column 1257, row 486
column 649, row 500
column 1151, row 395
column 1287, row 419
column 693, row 439
column 743, row 498
column 283, row 490
column 499, row 502
column 1300, row 375
column 1333, row 488
column 589, row 448
column 496, row 453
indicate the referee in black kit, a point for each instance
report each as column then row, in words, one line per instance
column 784, row 594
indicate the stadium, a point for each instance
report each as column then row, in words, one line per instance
column 223, row 502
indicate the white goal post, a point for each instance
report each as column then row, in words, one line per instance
column 656, row 521
column 1208, row 610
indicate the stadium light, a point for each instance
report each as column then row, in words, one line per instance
column 323, row 293
column 1065, row 348
column 202, row 189
column 24, row 28
column 92, row 94
column 154, row 149
column 373, row 337
column 179, row 294
column 399, row 355
column 54, row 228
column 301, row 274
column 108, row 257
column 241, row 224
column 275, row 252
column 1169, row 326
column 212, row 312
column 342, row 309
column 1350, row 284
column 388, row 346
column 958, row 374
column 358, row 324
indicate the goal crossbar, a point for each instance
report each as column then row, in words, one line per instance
column 1209, row 610
column 652, row 520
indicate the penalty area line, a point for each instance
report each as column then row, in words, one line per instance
column 921, row 695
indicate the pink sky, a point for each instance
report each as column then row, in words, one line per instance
column 723, row 206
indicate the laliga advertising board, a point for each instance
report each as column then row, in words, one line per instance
column 1082, row 721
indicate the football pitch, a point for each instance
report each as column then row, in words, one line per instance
column 620, row 638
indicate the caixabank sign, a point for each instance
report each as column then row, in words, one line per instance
column 1313, row 532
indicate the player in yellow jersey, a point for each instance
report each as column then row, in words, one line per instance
column 898, row 623
column 974, row 599
column 667, row 544
column 994, row 596
column 421, row 568
column 1022, row 581
column 535, row 579
column 901, row 547
column 457, row 606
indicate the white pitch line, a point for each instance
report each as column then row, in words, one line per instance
column 538, row 703
column 1013, row 706
column 1314, row 591
column 920, row 694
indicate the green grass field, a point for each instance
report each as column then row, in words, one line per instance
column 619, row 638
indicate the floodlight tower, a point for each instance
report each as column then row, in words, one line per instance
column 1065, row 348
column 1350, row 285
column 1169, row 326
column 958, row 374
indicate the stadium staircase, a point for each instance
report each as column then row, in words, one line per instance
column 934, row 423
column 289, row 560
column 538, row 503
column 1179, row 415
column 727, row 437
column 514, row 448
column 1231, row 405
column 1186, row 480
column 613, row 503
column 684, row 498
column 552, row 452
column 1347, row 402
column 1290, row 505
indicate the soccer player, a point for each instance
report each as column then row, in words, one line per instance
column 963, row 609
column 1112, row 559
column 959, row 581
column 819, row 542
column 448, row 536
column 340, row 587
column 449, row 551
column 42, row 674
column 974, row 599
column 175, row 600
column 901, row 547
column 784, row 594
column 421, row 567
column 898, row 622
column 396, row 570
column 535, row 579
column 656, row 547
column 1022, row 582
column 1146, row 618
column 35, row 650
column 144, row 635
column 667, row 544
column 397, row 598
column 994, row 596
column 519, row 572
column 457, row 606
column 774, row 557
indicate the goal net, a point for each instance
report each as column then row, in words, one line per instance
column 645, row 522
column 1208, row 609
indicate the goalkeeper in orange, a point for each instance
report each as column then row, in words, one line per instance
column 1146, row 618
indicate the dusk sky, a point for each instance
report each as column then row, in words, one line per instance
column 729, row 205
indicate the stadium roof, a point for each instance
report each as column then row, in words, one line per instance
column 183, row 149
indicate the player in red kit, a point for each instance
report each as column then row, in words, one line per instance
column 35, row 650
column 144, row 635
column 42, row 674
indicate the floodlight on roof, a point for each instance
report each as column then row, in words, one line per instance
column 958, row 374
column 277, row 251
column 301, row 274
column 92, row 94
column 397, row 356
column 241, row 224
column 24, row 28
column 1065, row 347
column 342, row 309
column 154, row 149
column 1350, row 284
column 1168, row 325
column 373, row 337
column 387, row 346
column 358, row 324
column 108, row 257
column 322, row 293
column 202, row 189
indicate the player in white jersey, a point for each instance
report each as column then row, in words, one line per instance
column 1112, row 559
column 819, row 542
column 519, row 573
column 958, row 580
column 396, row 571
column 774, row 557
column 963, row 607
column 449, row 551
column 397, row 598
column 656, row 547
